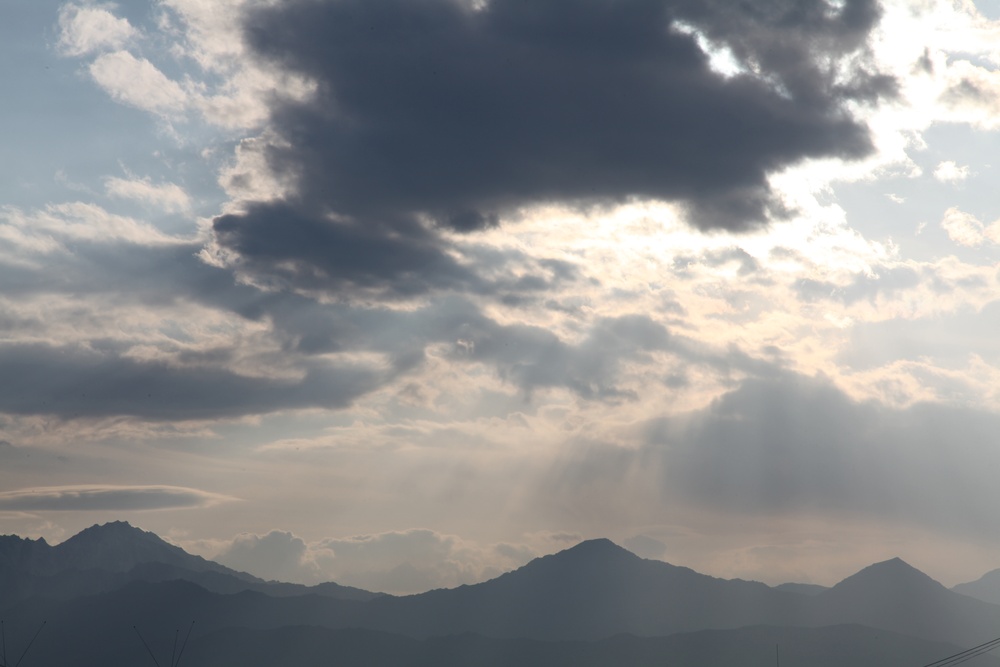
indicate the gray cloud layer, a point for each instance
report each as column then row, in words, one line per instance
column 790, row 444
column 76, row 382
column 434, row 111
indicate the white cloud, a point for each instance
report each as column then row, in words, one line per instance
column 967, row 230
column 950, row 172
column 721, row 58
column 86, row 29
column 250, row 177
column 137, row 82
column 399, row 562
column 209, row 32
column 278, row 556
column 938, row 52
column 226, row 87
column 167, row 196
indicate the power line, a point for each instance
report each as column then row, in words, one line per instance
column 967, row 654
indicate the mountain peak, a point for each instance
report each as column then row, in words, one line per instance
column 598, row 551
column 894, row 573
column 894, row 565
column 600, row 545
column 111, row 528
column 119, row 546
column 590, row 558
column 112, row 533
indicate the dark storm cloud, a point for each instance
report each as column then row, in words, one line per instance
column 379, row 259
column 792, row 40
column 312, row 251
column 429, row 111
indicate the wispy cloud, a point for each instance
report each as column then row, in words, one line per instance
column 88, row 498
column 167, row 196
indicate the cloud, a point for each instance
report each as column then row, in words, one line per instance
column 320, row 252
column 57, row 226
column 791, row 445
column 79, row 381
column 416, row 560
column 189, row 343
column 780, row 453
column 973, row 94
column 433, row 117
column 84, row 29
column 535, row 358
column 966, row 229
column 399, row 562
column 950, row 172
column 278, row 556
column 167, row 196
column 138, row 83
column 878, row 281
column 106, row 498
column 947, row 342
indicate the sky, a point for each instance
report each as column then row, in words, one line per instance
column 404, row 293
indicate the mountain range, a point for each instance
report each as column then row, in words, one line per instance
column 106, row 557
column 593, row 604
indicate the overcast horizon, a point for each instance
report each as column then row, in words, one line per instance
column 404, row 293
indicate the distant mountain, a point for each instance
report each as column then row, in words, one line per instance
column 112, row 547
column 595, row 595
column 106, row 557
column 896, row 596
column 18, row 554
column 595, row 589
column 986, row 588
column 802, row 589
column 591, row 591
column 598, row 589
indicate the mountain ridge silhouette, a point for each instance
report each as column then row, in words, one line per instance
column 592, row 591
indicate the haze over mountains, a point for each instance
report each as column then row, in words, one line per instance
column 593, row 604
column 106, row 557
